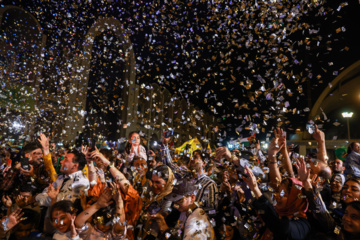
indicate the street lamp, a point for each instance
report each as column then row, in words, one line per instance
column 348, row 115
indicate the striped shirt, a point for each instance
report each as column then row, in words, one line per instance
column 207, row 192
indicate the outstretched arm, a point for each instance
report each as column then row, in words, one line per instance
column 119, row 176
column 286, row 159
column 319, row 136
column 274, row 173
column 103, row 201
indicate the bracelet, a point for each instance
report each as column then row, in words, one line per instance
column 273, row 162
column 5, row 224
column 232, row 157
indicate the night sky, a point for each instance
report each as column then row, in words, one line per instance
column 253, row 64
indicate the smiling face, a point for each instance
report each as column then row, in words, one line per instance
column 61, row 221
column 335, row 186
column 135, row 139
column 67, row 165
column 158, row 184
column 351, row 221
column 35, row 155
column 140, row 166
column 350, row 191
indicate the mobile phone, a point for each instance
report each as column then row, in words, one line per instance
column 153, row 209
column 310, row 128
column 25, row 163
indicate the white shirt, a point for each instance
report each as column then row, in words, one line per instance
column 69, row 191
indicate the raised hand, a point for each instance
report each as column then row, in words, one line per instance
column 222, row 152
column 116, row 192
column 303, row 172
column 73, row 232
column 20, row 201
column 274, row 147
column 281, row 135
column 105, row 198
column 318, row 135
column 6, row 201
column 251, row 179
column 14, row 218
column 44, row 141
column 97, row 153
column 53, row 192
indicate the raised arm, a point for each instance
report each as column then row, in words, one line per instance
column 44, row 141
column 319, row 136
column 286, row 159
column 119, row 176
column 274, row 173
column 103, row 201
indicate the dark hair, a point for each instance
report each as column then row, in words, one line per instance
column 30, row 216
column 78, row 158
column 28, row 148
column 128, row 144
column 288, row 184
column 163, row 170
column 106, row 152
column 354, row 179
column 26, row 188
column 355, row 205
column 350, row 147
column 137, row 158
column 66, row 206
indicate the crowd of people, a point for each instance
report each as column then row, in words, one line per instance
column 101, row 193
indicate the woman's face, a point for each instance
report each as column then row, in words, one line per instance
column 61, row 221
column 135, row 139
column 335, row 186
column 227, row 232
column 351, row 220
column 282, row 197
column 158, row 184
column 140, row 166
column 350, row 191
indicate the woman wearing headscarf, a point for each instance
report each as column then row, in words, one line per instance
column 154, row 203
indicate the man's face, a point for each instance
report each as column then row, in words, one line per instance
column 140, row 166
column 152, row 162
column 67, row 165
column 356, row 147
column 27, row 197
column 196, row 163
column 338, row 166
column 35, row 155
column 185, row 202
column 22, row 230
